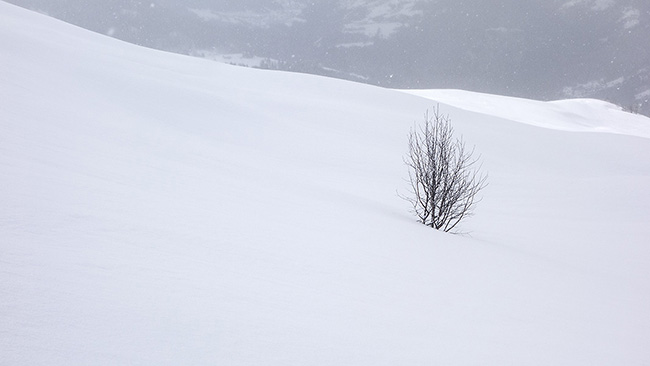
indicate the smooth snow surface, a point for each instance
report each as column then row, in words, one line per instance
column 587, row 115
column 163, row 210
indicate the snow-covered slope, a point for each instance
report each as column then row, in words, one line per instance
column 162, row 210
column 587, row 115
column 542, row 49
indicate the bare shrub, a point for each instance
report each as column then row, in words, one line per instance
column 445, row 177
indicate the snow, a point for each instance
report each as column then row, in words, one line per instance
column 630, row 17
column 596, row 5
column 383, row 18
column 162, row 210
column 642, row 95
column 593, row 86
column 288, row 14
column 586, row 115
column 232, row 58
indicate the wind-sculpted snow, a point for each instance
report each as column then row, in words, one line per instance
column 158, row 209
column 587, row 115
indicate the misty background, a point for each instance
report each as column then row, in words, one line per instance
column 540, row 49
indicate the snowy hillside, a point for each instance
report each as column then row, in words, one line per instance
column 540, row 49
column 158, row 209
column 586, row 115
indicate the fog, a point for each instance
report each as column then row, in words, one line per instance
column 537, row 49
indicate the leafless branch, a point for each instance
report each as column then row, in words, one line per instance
column 444, row 176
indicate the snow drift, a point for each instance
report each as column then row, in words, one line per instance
column 162, row 210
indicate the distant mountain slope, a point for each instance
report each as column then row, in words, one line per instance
column 158, row 209
column 537, row 49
